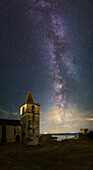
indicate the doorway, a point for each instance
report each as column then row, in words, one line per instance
column 3, row 134
column 17, row 138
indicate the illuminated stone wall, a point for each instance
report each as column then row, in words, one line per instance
column 21, row 109
column 84, row 131
column 30, row 124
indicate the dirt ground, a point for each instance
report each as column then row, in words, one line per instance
column 65, row 155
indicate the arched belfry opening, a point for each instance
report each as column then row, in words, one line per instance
column 23, row 111
column 33, row 109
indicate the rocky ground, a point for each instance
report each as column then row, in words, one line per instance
column 65, row 155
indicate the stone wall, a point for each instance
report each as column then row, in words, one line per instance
column 30, row 128
column 33, row 129
column 12, row 133
column 24, row 124
column 0, row 133
column 17, row 132
column 45, row 139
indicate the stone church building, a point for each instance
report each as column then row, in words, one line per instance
column 26, row 129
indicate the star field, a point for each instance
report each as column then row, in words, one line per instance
column 46, row 47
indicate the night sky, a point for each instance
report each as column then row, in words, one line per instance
column 47, row 47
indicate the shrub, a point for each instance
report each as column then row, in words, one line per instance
column 90, row 135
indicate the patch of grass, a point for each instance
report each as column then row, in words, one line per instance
column 70, row 154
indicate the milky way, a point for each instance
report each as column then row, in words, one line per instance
column 59, row 64
column 46, row 47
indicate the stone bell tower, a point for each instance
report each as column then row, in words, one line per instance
column 29, row 119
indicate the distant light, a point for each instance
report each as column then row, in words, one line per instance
column 45, row 132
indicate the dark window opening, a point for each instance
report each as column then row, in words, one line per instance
column 3, row 134
column 33, row 118
column 33, row 109
column 14, row 131
column 33, row 131
column 37, row 136
column 23, row 111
